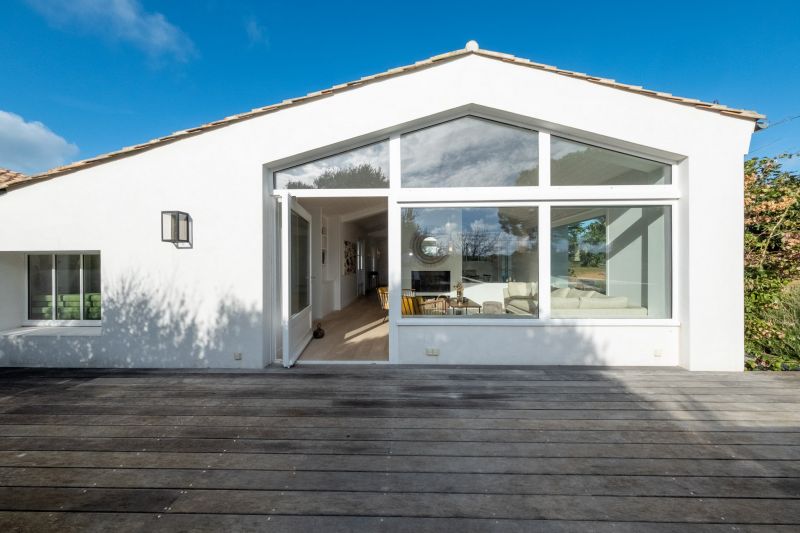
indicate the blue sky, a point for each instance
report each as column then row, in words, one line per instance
column 83, row 77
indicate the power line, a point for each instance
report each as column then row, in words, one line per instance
column 770, row 126
column 782, row 121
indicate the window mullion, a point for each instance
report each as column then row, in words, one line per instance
column 544, row 261
column 80, row 284
column 394, row 162
column 53, row 287
column 544, row 159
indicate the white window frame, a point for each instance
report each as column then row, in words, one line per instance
column 53, row 321
column 545, row 233
column 543, row 196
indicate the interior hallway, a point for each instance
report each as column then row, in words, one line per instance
column 359, row 332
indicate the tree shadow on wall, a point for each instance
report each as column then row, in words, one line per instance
column 142, row 327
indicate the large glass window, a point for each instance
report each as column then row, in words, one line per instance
column 470, row 152
column 470, row 261
column 77, row 280
column 574, row 163
column 611, row 262
column 363, row 168
column 40, row 287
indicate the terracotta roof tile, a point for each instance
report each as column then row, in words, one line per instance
column 508, row 58
column 9, row 177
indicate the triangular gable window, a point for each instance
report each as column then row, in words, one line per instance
column 363, row 168
column 470, row 152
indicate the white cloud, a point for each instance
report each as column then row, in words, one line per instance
column 256, row 32
column 31, row 147
column 119, row 20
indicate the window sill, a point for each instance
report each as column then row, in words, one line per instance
column 53, row 331
column 476, row 320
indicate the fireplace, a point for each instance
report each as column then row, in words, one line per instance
column 436, row 281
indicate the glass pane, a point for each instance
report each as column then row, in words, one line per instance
column 91, row 288
column 299, row 264
column 574, row 163
column 68, row 287
column 470, row 152
column 611, row 262
column 470, row 262
column 40, row 287
column 363, row 168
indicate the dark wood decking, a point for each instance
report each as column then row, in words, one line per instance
column 383, row 448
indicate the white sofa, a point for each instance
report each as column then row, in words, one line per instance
column 575, row 303
column 521, row 298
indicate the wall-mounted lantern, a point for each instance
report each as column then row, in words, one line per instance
column 176, row 227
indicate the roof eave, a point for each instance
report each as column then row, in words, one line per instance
column 745, row 114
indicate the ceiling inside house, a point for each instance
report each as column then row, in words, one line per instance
column 343, row 206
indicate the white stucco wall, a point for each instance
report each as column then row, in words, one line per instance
column 547, row 345
column 196, row 307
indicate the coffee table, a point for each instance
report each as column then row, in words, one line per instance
column 463, row 306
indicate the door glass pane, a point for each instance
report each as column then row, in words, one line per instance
column 363, row 168
column 611, row 262
column 91, row 288
column 40, row 287
column 470, row 152
column 68, row 287
column 574, row 163
column 299, row 264
column 487, row 255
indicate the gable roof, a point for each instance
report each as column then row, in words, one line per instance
column 471, row 48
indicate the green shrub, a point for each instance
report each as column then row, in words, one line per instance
column 772, row 262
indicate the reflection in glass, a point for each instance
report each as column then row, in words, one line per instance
column 574, row 163
column 488, row 253
column 363, row 168
column 40, row 287
column 299, row 264
column 611, row 262
column 430, row 246
column 92, row 304
column 470, row 152
column 68, row 287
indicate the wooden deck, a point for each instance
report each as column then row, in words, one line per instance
column 385, row 448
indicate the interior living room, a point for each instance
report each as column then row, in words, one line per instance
column 349, row 255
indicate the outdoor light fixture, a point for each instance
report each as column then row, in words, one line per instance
column 176, row 228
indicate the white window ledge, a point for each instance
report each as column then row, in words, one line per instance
column 53, row 331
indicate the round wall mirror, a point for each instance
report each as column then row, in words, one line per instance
column 428, row 249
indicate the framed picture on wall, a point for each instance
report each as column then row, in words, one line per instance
column 349, row 257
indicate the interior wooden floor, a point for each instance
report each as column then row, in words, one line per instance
column 359, row 332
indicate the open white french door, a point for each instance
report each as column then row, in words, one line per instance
column 295, row 279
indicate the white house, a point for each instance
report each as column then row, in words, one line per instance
column 580, row 220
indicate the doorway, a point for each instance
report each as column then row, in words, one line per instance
column 335, row 264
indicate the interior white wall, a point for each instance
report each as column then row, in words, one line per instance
column 217, row 178
column 13, row 279
column 638, row 267
column 351, row 232
column 325, row 278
